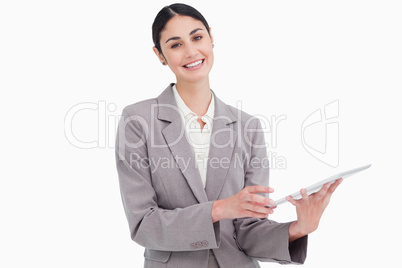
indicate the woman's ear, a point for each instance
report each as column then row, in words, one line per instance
column 159, row 55
column 210, row 35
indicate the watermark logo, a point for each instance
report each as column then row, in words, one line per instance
column 107, row 120
column 320, row 134
column 106, row 124
column 319, row 131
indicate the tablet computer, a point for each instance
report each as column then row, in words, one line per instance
column 317, row 186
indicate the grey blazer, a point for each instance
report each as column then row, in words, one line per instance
column 167, row 208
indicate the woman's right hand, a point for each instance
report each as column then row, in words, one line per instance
column 246, row 203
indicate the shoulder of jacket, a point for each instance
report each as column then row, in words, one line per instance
column 140, row 107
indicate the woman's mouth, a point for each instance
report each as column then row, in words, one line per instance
column 194, row 65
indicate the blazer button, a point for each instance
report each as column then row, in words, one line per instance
column 199, row 244
column 205, row 243
column 193, row 245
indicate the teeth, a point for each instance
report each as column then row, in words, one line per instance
column 193, row 64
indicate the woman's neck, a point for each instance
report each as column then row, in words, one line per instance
column 196, row 96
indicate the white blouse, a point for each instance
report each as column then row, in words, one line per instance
column 199, row 140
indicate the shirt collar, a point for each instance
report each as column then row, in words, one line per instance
column 186, row 111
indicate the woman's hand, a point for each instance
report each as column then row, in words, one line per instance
column 309, row 210
column 246, row 203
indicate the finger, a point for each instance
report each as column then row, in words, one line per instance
column 258, row 199
column 291, row 200
column 257, row 208
column 335, row 185
column 270, row 205
column 323, row 191
column 304, row 195
column 260, row 204
column 259, row 189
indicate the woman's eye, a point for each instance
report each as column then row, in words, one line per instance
column 198, row 37
column 175, row 45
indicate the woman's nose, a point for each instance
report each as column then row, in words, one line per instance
column 191, row 51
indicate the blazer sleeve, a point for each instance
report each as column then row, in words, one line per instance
column 180, row 229
column 264, row 239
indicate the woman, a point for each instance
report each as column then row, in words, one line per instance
column 193, row 171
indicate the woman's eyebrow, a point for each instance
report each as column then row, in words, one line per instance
column 176, row 37
column 195, row 30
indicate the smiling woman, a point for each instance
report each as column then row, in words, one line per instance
column 200, row 207
column 186, row 47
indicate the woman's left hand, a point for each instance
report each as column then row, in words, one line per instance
column 309, row 210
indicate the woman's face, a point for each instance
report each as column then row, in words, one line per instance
column 187, row 49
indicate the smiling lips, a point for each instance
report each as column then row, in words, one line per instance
column 193, row 65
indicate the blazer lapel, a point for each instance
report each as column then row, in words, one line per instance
column 223, row 140
column 176, row 140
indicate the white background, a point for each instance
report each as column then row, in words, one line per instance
column 60, row 204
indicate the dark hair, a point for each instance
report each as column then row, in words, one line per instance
column 168, row 12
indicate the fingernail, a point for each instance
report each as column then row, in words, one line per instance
column 269, row 190
column 271, row 202
column 341, row 180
